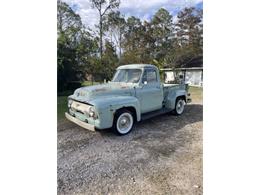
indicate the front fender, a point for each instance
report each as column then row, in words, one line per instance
column 106, row 107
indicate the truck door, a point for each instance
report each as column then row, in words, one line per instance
column 151, row 92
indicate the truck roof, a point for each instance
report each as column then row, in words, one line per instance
column 133, row 66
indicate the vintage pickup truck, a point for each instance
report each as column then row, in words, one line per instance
column 135, row 93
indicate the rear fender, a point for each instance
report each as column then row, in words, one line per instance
column 172, row 96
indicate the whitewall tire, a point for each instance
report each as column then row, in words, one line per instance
column 123, row 122
column 179, row 106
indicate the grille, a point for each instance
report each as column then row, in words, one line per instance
column 80, row 107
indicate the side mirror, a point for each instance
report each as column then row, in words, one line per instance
column 143, row 84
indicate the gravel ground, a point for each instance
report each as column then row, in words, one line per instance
column 162, row 155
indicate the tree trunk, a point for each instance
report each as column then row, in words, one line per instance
column 101, row 36
column 120, row 49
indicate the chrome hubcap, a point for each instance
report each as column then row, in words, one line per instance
column 180, row 106
column 124, row 122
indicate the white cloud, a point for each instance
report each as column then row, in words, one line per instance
column 143, row 9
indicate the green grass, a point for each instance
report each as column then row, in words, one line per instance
column 196, row 93
column 61, row 107
column 89, row 83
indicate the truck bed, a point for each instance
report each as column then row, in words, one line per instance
column 170, row 87
column 167, row 87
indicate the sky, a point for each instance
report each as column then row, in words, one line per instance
column 143, row 9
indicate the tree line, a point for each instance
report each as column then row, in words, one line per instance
column 84, row 52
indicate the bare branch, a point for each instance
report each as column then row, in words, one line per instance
column 107, row 8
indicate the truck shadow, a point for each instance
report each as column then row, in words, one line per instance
column 167, row 122
column 162, row 135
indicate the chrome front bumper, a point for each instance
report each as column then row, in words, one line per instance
column 79, row 122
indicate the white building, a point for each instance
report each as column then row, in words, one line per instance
column 192, row 76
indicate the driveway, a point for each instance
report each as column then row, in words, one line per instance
column 162, row 155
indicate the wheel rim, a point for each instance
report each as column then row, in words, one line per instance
column 124, row 123
column 180, row 106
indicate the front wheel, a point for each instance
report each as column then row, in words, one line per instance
column 179, row 106
column 123, row 122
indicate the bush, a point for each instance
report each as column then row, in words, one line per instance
column 72, row 85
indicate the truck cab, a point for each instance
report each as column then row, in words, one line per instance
column 149, row 90
column 134, row 94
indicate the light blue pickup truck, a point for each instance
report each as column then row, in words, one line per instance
column 135, row 93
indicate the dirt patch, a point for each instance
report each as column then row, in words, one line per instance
column 162, row 155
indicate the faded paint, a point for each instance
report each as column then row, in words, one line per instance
column 107, row 98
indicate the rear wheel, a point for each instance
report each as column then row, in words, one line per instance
column 179, row 106
column 123, row 122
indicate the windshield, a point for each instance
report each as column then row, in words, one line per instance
column 127, row 75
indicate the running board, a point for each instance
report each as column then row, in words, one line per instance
column 154, row 113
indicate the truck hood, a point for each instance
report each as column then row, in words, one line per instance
column 86, row 94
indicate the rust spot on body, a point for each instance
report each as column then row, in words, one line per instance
column 101, row 89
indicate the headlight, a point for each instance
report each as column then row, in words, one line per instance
column 69, row 103
column 91, row 111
